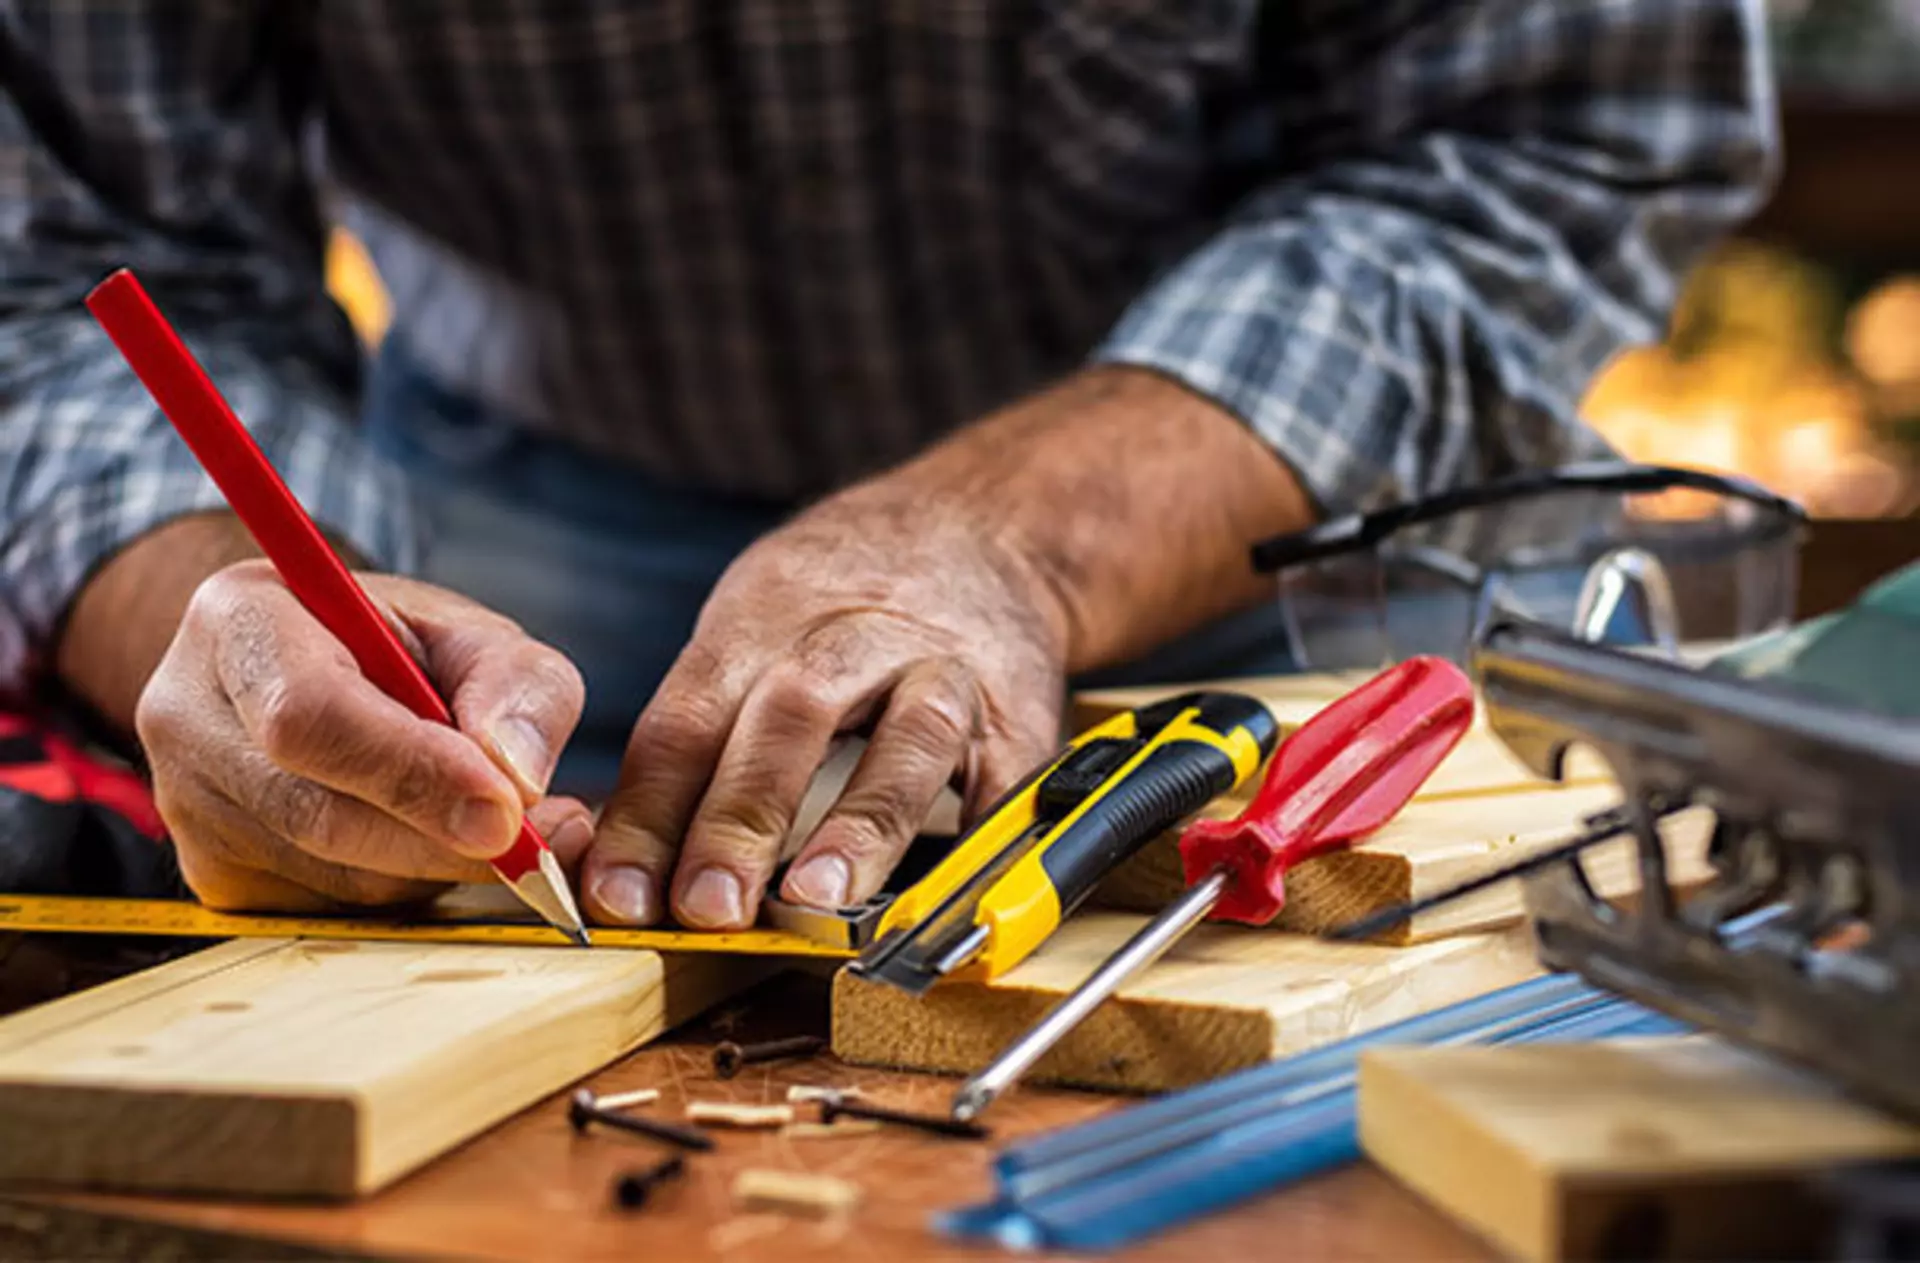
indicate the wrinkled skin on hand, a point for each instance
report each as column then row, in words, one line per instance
column 289, row 782
column 874, row 610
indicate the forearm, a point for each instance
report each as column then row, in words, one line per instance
column 123, row 620
column 1130, row 500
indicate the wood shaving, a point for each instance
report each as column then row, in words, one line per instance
column 829, row 1131
column 728, row 1114
column 794, row 1192
column 621, row 1100
column 802, row 1093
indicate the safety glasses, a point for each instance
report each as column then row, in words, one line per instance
column 1621, row 553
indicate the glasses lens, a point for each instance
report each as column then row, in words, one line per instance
column 1334, row 613
column 1732, row 567
column 1363, row 611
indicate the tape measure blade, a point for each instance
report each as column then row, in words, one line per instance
column 178, row 918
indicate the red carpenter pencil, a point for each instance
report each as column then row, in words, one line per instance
column 311, row 569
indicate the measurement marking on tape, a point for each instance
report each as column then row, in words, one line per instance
column 68, row 914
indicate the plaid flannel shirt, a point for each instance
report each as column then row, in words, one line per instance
column 767, row 246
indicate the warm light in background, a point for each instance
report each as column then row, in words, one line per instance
column 355, row 285
column 1763, row 375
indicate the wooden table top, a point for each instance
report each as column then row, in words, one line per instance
column 533, row 1189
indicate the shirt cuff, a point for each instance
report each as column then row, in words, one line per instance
column 1236, row 324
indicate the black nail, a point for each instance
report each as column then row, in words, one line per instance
column 631, row 1189
column 939, row 1124
column 728, row 1057
column 583, row 1111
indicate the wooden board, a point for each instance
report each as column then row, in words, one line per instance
column 295, row 1067
column 1480, row 810
column 1658, row 1148
column 1224, row 999
column 1432, row 846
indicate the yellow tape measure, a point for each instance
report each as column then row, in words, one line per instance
column 184, row 919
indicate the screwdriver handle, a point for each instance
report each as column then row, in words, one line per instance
column 1338, row 777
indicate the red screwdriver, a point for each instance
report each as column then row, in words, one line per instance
column 1338, row 777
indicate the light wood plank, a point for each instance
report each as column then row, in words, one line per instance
column 1678, row 1147
column 1225, row 998
column 300, row 1067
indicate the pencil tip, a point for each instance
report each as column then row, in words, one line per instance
column 544, row 889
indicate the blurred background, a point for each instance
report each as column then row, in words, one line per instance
column 1794, row 354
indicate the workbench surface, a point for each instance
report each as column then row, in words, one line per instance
column 532, row 1189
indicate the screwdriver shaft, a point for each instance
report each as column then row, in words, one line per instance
column 1140, row 951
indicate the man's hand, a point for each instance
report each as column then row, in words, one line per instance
column 289, row 782
column 943, row 604
column 868, row 610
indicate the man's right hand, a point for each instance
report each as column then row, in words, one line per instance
column 290, row 783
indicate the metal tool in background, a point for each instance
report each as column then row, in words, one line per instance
column 1816, row 805
column 1803, row 746
column 1040, row 851
column 1340, row 776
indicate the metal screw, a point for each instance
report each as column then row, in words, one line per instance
column 630, row 1190
column 585, row 1110
column 728, row 1057
column 840, row 1107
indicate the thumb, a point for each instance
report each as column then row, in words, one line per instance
column 517, row 697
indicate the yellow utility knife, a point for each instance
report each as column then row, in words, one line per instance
column 1039, row 852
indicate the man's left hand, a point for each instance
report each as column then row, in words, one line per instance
column 875, row 608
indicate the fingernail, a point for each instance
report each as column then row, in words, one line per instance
column 483, row 826
column 525, row 751
column 574, row 835
column 821, row 882
column 627, row 894
column 713, row 899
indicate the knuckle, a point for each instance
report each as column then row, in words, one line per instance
column 159, row 717
column 797, row 696
column 553, row 676
column 675, row 722
column 936, row 722
column 874, row 826
column 215, row 597
column 294, row 721
column 700, row 662
column 617, row 840
column 227, row 596
column 743, row 828
column 828, row 650
column 415, row 789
